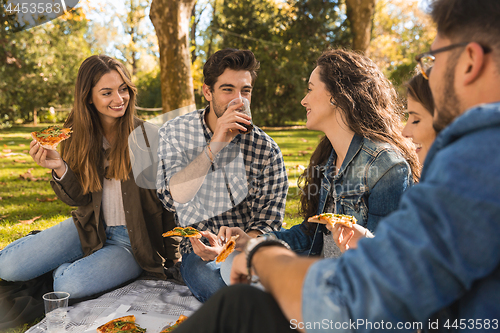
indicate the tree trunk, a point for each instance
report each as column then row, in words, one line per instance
column 193, row 34
column 360, row 15
column 171, row 20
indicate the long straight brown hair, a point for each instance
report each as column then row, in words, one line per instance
column 369, row 107
column 83, row 152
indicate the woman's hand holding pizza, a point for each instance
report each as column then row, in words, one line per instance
column 47, row 158
column 347, row 238
column 206, row 253
column 225, row 234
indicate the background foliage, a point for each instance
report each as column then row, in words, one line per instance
column 38, row 67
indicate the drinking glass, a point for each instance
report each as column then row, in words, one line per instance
column 56, row 307
column 244, row 109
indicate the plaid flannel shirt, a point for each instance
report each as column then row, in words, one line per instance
column 246, row 186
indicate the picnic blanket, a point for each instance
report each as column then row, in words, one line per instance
column 147, row 296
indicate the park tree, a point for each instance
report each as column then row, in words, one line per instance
column 360, row 16
column 401, row 31
column 286, row 37
column 39, row 66
column 171, row 19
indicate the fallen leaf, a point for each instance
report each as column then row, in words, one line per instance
column 7, row 150
column 25, row 151
column 303, row 152
column 5, row 146
column 22, row 145
column 20, row 161
column 283, row 155
column 46, row 199
column 0, row 198
column 304, row 140
column 28, row 175
column 3, row 216
column 309, row 148
column 49, row 171
column 3, row 184
column 283, row 224
column 29, row 221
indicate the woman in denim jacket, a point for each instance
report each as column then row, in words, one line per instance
column 418, row 128
column 362, row 165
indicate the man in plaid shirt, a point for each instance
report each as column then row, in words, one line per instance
column 212, row 175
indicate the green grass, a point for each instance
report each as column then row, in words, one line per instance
column 24, row 199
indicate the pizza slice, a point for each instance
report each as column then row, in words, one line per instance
column 51, row 136
column 345, row 220
column 227, row 250
column 183, row 232
column 174, row 326
column 123, row 324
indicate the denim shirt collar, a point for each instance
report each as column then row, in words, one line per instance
column 479, row 117
column 329, row 168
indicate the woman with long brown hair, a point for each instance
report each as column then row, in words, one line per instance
column 363, row 163
column 115, row 232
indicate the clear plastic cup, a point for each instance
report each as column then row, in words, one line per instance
column 56, row 308
column 244, row 109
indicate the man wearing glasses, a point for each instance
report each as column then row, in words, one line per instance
column 435, row 262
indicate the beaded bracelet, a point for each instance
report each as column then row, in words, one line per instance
column 208, row 156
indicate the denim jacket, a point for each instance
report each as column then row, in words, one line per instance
column 435, row 260
column 368, row 186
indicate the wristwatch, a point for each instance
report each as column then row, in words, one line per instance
column 256, row 243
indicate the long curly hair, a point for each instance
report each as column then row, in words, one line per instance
column 369, row 107
column 83, row 151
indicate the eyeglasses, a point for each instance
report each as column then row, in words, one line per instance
column 426, row 60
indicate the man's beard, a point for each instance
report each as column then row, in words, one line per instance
column 447, row 107
column 218, row 109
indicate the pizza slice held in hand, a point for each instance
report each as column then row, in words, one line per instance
column 345, row 220
column 51, row 136
column 123, row 324
column 183, row 232
column 227, row 250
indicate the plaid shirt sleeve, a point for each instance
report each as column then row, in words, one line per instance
column 170, row 161
column 269, row 190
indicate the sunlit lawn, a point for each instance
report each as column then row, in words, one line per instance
column 30, row 204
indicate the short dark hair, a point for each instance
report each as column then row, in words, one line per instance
column 238, row 60
column 419, row 90
column 468, row 20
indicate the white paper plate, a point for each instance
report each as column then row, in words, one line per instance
column 152, row 322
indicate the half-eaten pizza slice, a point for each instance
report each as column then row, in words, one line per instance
column 51, row 136
column 227, row 250
column 345, row 220
column 183, row 232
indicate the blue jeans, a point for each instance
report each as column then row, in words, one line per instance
column 202, row 277
column 58, row 248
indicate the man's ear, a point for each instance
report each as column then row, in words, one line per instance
column 207, row 92
column 474, row 63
